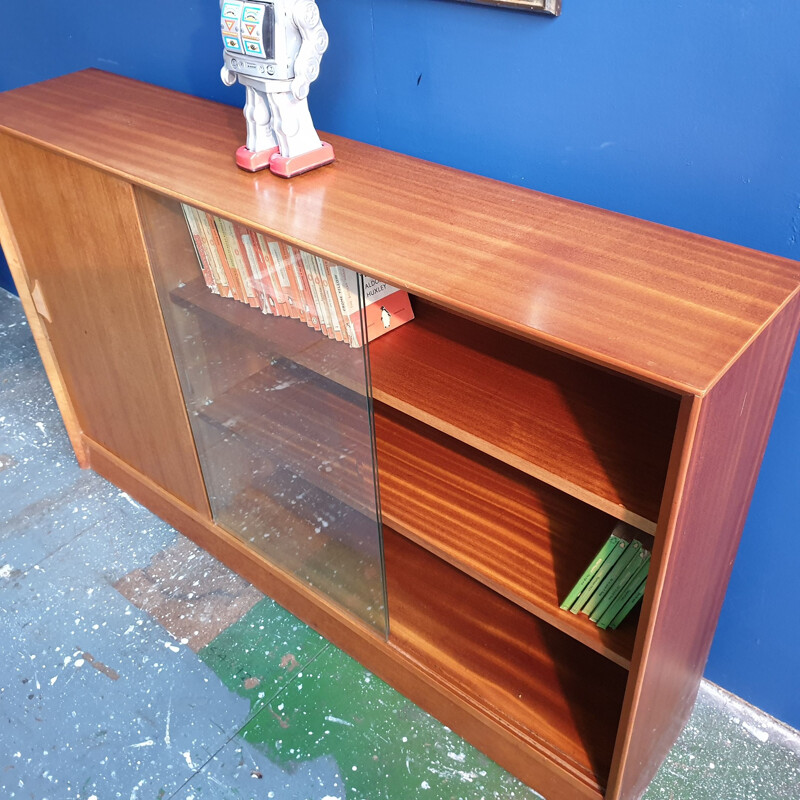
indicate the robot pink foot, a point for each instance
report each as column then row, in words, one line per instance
column 254, row 160
column 288, row 167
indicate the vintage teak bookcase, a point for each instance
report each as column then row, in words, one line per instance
column 427, row 501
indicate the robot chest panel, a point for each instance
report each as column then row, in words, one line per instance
column 249, row 29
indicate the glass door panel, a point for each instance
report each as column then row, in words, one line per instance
column 268, row 344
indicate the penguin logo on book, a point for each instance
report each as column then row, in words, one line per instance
column 386, row 317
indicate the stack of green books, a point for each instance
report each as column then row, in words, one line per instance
column 614, row 582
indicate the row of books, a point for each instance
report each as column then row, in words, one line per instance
column 614, row 582
column 286, row 281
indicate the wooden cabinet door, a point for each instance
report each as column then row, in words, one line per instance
column 81, row 250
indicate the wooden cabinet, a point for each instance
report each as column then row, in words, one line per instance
column 567, row 368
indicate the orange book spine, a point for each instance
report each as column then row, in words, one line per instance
column 282, row 309
column 227, row 239
column 284, row 273
column 315, row 284
column 304, row 286
column 245, row 265
column 224, row 276
column 337, row 316
column 200, row 248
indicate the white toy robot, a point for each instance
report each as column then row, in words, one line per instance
column 274, row 48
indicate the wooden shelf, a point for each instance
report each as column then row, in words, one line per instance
column 288, row 338
column 601, row 438
column 319, row 429
column 564, row 698
column 517, row 536
column 339, row 561
column 597, row 436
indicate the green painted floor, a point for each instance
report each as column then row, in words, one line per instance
column 135, row 666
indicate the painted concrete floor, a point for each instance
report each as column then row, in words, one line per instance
column 132, row 665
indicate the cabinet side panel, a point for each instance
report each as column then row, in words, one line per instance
column 78, row 235
column 8, row 241
column 723, row 452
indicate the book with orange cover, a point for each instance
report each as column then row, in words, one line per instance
column 338, row 317
column 247, row 266
column 230, row 247
column 261, row 278
column 315, row 284
column 304, row 288
column 385, row 307
column 224, row 277
column 200, row 247
column 285, row 277
column 272, row 279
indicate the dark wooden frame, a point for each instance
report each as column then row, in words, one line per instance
column 552, row 7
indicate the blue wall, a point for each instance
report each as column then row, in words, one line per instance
column 684, row 113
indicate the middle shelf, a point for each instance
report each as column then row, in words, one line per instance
column 513, row 533
column 599, row 437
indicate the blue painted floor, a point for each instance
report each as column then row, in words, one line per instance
column 135, row 666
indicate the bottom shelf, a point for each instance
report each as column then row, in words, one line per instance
column 564, row 699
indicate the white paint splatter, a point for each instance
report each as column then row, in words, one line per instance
column 188, row 758
column 449, row 772
column 145, row 743
column 127, row 497
column 6, row 570
column 340, row 721
column 135, row 792
column 762, row 736
column 460, row 757
column 167, row 739
column 40, row 426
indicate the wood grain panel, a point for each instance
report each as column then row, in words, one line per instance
column 78, row 235
column 725, row 441
column 597, row 436
column 514, row 534
column 668, row 306
column 8, row 241
column 565, row 697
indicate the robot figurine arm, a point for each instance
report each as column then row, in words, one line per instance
column 314, row 44
column 228, row 76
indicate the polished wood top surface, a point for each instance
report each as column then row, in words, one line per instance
column 663, row 305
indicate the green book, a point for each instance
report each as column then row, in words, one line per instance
column 620, row 582
column 607, row 584
column 609, row 561
column 626, row 609
column 591, row 571
column 605, row 619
